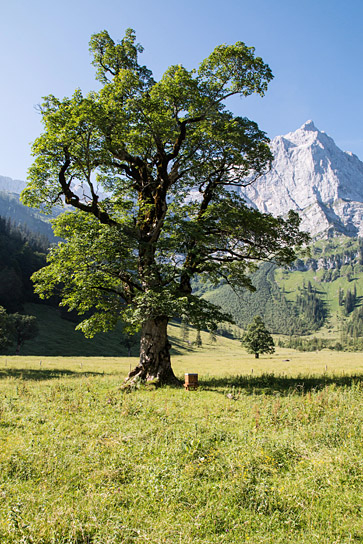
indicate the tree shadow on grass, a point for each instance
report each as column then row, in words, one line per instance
column 43, row 374
column 270, row 384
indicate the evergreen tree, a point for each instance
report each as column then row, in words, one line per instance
column 349, row 302
column 185, row 330
column 198, row 339
column 341, row 296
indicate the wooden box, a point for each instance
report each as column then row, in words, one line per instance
column 191, row 381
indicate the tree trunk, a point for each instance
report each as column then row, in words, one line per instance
column 257, row 355
column 154, row 362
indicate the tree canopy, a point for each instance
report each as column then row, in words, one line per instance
column 16, row 328
column 257, row 339
column 152, row 171
column 5, row 329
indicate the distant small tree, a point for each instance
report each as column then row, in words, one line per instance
column 185, row 330
column 23, row 328
column 349, row 302
column 257, row 339
column 5, row 329
column 341, row 296
column 198, row 339
column 212, row 337
column 129, row 340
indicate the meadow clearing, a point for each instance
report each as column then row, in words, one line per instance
column 269, row 455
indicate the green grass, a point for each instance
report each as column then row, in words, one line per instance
column 272, row 456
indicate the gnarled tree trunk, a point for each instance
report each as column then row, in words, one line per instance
column 154, row 362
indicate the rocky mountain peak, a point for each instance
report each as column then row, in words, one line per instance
column 309, row 125
column 312, row 176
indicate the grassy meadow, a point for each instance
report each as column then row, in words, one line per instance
column 266, row 451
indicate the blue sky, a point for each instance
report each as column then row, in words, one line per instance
column 314, row 48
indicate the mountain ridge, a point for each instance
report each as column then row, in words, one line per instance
column 9, row 185
column 309, row 174
column 313, row 176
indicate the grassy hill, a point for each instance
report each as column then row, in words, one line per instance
column 334, row 265
column 58, row 336
column 334, row 270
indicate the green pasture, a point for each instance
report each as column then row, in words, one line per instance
column 265, row 451
column 206, row 362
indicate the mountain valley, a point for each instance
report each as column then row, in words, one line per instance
column 321, row 293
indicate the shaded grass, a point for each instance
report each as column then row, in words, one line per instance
column 36, row 375
column 58, row 336
column 269, row 384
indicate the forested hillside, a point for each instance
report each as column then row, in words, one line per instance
column 267, row 301
column 322, row 291
column 21, row 253
column 24, row 217
column 270, row 302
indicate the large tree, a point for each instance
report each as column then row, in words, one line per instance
column 152, row 170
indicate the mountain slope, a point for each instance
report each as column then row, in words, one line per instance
column 322, row 289
column 311, row 175
column 9, row 185
column 11, row 208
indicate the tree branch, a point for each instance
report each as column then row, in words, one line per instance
column 72, row 199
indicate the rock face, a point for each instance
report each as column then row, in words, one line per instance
column 8, row 185
column 312, row 176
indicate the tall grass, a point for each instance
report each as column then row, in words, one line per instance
column 256, row 457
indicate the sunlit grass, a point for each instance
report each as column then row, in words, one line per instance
column 206, row 362
column 269, row 456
